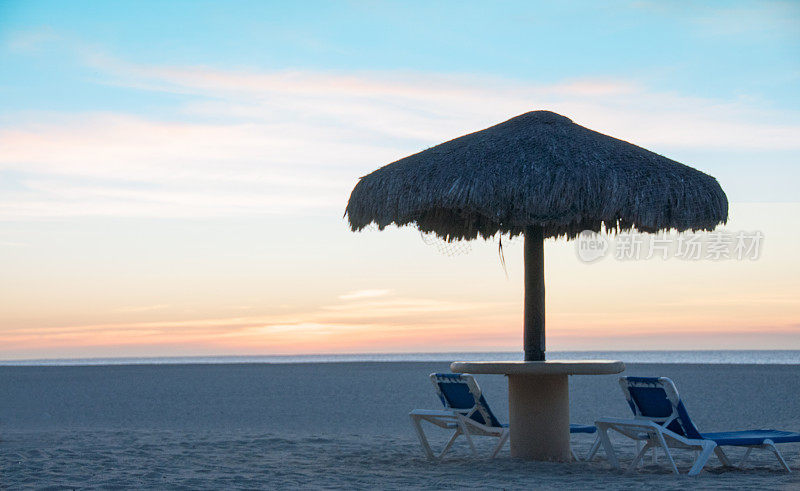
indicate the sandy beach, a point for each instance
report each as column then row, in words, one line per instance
column 338, row 425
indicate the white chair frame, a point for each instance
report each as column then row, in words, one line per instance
column 654, row 433
column 458, row 420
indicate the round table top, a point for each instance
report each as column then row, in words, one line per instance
column 554, row 367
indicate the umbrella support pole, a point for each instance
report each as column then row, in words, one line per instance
column 539, row 417
column 534, row 294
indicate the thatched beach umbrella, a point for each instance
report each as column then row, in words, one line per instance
column 541, row 175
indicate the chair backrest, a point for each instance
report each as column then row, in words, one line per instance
column 656, row 399
column 461, row 393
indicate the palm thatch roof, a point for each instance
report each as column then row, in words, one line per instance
column 537, row 169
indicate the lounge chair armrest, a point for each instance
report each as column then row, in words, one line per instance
column 628, row 422
column 439, row 413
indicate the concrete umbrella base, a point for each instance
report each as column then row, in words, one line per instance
column 538, row 401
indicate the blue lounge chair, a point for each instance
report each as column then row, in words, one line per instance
column 467, row 413
column 661, row 421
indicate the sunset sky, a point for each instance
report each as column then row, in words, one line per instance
column 173, row 174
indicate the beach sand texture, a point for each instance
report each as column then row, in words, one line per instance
column 341, row 425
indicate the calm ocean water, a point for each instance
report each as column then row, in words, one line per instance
column 762, row 357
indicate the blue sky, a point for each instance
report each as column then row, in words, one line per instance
column 718, row 49
column 138, row 129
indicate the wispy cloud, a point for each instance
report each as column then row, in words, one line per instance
column 288, row 142
column 32, row 40
column 404, row 324
column 362, row 323
column 141, row 308
column 364, row 294
column 431, row 107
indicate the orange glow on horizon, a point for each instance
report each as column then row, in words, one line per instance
column 389, row 292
